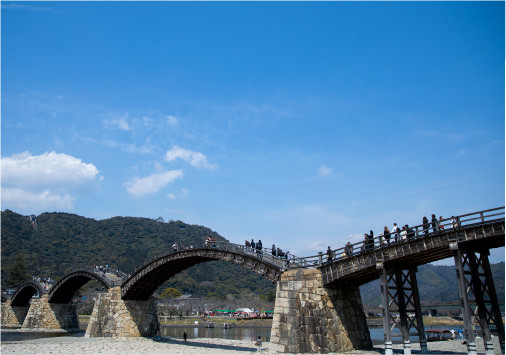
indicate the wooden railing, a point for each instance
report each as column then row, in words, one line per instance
column 263, row 254
column 419, row 231
column 110, row 281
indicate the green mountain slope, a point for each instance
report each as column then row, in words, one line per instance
column 436, row 284
column 60, row 241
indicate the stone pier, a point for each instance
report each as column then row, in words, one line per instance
column 114, row 317
column 311, row 318
column 45, row 315
column 12, row 316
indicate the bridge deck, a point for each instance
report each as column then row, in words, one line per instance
column 365, row 267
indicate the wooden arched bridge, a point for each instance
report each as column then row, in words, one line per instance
column 332, row 278
column 149, row 276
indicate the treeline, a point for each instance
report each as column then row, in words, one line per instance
column 436, row 284
column 58, row 242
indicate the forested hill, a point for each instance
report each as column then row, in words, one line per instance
column 436, row 284
column 60, row 241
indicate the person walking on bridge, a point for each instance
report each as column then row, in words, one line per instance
column 435, row 226
column 365, row 244
column 386, row 235
column 330, row 255
column 404, row 233
column 348, row 249
column 273, row 250
column 395, row 233
column 370, row 241
column 441, row 223
column 411, row 232
column 425, row 222
column 259, row 248
column 252, row 244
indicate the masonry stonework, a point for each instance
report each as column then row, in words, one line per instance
column 114, row 317
column 13, row 317
column 43, row 314
column 311, row 318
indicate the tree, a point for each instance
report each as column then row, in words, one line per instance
column 171, row 293
column 18, row 272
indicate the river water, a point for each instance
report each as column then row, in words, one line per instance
column 252, row 333
column 234, row 333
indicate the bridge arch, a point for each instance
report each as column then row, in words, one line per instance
column 144, row 281
column 25, row 292
column 67, row 286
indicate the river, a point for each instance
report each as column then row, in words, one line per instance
column 234, row 333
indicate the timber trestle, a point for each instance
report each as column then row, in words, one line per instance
column 399, row 292
column 479, row 299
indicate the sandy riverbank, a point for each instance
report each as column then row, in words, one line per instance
column 65, row 345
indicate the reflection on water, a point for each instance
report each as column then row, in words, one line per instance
column 235, row 333
column 378, row 337
column 252, row 333
column 26, row 335
column 245, row 334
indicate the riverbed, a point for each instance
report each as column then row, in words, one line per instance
column 25, row 342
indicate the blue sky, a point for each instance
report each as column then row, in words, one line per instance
column 301, row 124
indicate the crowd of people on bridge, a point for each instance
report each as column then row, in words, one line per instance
column 46, row 282
column 208, row 242
column 100, row 269
column 255, row 247
column 258, row 249
column 396, row 235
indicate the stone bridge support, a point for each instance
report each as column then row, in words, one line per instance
column 12, row 316
column 114, row 317
column 45, row 315
column 309, row 317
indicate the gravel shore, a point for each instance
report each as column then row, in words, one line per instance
column 66, row 345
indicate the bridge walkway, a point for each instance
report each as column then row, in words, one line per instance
column 484, row 229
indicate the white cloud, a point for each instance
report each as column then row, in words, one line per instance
column 318, row 245
column 30, row 202
column 324, row 171
column 184, row 194
column 196, row 159
column 172, row 120
column 45, row 181
column 147, row 121
column 49, row 171
column 153, row 183
column 118, row 122
column 130, row 148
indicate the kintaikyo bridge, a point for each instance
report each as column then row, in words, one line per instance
column 318, row 308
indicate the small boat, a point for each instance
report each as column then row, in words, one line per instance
column 227, row 325
column 438, row 334
column 209, row 325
